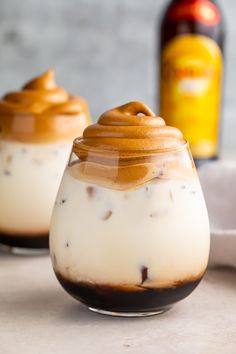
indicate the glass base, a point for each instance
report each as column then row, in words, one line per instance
column 28, row 251
column 19, row 251
column 129, row 314
column 114, row 301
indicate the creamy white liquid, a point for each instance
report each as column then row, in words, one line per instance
column 30, row 175
column 107, row 236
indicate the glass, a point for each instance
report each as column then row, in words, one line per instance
column 130, row 251
column 38, row 125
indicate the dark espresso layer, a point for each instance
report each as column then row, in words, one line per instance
column 111, row 298
column 25, row 241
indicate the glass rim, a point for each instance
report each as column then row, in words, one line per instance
column 78, row 142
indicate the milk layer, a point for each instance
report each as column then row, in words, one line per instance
column 30, row 175
column 105, row 236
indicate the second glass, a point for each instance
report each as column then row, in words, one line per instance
column 37, row 128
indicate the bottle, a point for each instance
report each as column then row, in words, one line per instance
column 191, row 71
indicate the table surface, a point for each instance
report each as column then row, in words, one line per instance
column 38, row 317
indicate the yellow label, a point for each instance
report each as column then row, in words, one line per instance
column 190, row 90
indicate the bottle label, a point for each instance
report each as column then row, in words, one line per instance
column 203, row 11
column 190, row 90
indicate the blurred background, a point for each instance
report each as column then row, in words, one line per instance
column 103, row 50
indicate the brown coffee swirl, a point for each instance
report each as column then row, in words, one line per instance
column 42, row 112
column 131, row 127
column 119, row 151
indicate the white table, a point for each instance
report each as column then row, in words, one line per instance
column 38, row 317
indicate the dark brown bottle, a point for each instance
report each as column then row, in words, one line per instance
column 191, row 71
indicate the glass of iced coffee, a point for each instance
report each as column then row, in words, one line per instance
column 37, row 127
column 129, row 232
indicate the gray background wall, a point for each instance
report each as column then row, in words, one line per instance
column 102, row 49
